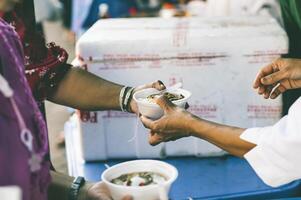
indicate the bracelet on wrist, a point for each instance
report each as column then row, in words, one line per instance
column 128, row 99
column 125, row 97
column 121, row 97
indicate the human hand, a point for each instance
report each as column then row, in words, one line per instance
column 97, row 191
column 175, row 124
column 276, row 78
column 157, row 85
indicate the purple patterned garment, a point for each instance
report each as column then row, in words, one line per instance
column 14, row 156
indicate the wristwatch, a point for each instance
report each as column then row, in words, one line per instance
column 75, row 186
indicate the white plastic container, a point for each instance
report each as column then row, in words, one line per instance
column 216, row 59
column 149, row 192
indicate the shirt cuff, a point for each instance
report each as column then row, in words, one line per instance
column 265, row 168
column 262, row 158
column 254, row 135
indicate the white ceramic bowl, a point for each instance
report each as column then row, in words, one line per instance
column 150, row 192
column 152, row 110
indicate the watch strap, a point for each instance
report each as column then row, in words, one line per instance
column 75, row 187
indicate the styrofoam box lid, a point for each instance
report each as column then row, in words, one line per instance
column 170, row 38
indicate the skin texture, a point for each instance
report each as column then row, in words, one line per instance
column 271, row 81
column 178, row 123
column 85, row 91
column 286, row 73
column 60, row 186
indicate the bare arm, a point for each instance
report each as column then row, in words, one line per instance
column 60, row 186
column 225, row 137
column 83, row 90
column 178, row 123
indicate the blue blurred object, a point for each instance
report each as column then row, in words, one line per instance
column 117, row 8
column 212, row 178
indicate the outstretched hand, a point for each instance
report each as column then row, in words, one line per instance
column 172, row 126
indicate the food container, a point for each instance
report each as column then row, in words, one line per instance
column 153, row 110
column 149, row 192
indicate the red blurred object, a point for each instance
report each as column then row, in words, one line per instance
column 133, row 11
column 168, row 6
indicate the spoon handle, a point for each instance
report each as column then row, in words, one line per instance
column 172, row 88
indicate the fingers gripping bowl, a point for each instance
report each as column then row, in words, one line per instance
column 157, row 169
column 148, row 107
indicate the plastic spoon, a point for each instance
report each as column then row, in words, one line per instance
column 172, row 88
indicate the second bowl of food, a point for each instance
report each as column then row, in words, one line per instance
column 140, row 179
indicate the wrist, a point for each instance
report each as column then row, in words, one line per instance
column 190, row 124
column 75, row 188
column 84, row 191
column 196, row 126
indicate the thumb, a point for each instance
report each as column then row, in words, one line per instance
column 148, row 123
column 165, row 104
column 273, row 78
column 154, row 139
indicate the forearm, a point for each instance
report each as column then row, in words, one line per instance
column 225, row 137
column 60, row 186
column 83, row 90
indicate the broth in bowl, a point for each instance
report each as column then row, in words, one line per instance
column 139, row 179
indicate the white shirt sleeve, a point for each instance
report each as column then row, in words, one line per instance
column 277, row 157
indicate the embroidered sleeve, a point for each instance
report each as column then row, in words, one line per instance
column 45, row 75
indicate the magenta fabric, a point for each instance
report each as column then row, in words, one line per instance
column 14, row 168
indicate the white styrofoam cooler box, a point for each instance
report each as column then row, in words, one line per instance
column 216, row 59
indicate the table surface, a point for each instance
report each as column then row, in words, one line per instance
column 225, row 177
column 206, row 178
